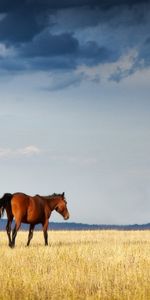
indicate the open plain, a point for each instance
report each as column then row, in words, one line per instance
column 76, row 265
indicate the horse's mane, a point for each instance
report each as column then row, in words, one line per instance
column 50, row 197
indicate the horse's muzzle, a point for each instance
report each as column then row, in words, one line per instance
column 66, row 217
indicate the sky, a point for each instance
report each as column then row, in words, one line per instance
column 75, row 107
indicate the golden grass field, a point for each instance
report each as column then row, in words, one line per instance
column 76, row 265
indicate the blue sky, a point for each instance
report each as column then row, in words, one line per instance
column 74, row 105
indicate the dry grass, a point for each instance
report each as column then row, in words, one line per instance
column 77, row 265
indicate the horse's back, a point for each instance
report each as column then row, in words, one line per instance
column 27, row 208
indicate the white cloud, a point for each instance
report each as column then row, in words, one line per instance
column 26, row 151
column 29, row 150
column 5, row 152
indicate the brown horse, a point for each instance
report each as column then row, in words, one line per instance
column 31, row 210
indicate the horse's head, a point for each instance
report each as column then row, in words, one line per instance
column 61, row 206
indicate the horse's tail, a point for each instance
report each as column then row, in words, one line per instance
column 4, row 201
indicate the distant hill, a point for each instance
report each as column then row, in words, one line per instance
column 80, row 226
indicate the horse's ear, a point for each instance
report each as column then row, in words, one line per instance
column 63, row 194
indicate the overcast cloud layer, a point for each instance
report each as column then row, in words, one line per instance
column 74, row 105
column 67, row 36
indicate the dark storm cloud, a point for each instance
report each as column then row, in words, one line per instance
column 91, row 54
column 39, row 5
column 24, row 19
column 43, row 37
column 144, row 53
column 47, row 44
column 51, row 63
column 11, row 65
column 19, row 27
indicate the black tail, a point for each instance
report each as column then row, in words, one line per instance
column 4, row 201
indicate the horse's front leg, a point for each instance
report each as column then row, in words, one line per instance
column 30, row 236
column 14, row 233
column 45, row 228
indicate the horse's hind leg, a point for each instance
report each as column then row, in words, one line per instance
column 8, row 229
column 14, row 233
column 45, row 227
column 30, row 236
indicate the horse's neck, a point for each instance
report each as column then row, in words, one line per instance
column 52, row 203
